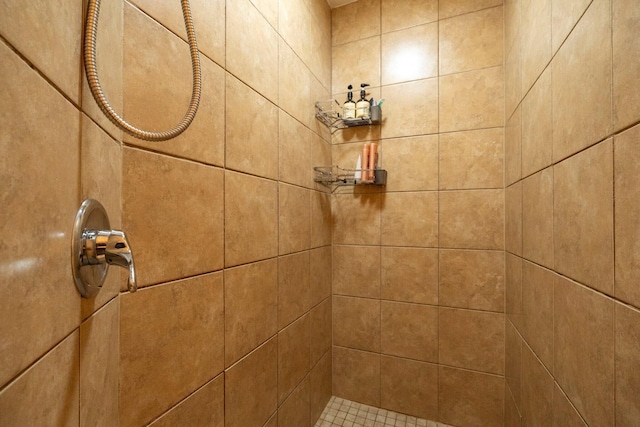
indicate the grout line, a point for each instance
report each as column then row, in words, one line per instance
column 40, row 358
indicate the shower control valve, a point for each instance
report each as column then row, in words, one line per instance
column 94, row 247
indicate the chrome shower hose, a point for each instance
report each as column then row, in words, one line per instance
column 90, row 32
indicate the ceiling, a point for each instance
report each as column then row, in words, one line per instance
column 338, row 3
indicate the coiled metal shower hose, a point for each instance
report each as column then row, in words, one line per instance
column 91, row 29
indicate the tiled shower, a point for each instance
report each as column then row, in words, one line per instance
column 495, row 279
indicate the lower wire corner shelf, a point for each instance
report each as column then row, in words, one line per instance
column 335, row 176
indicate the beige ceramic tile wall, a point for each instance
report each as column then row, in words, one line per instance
column 418, row 267
column 232, row 322
column 572, row 249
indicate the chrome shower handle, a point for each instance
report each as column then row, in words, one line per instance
column 94, row 247
column 112, row 247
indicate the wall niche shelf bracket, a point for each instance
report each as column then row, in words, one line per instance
column 331, row 115
column 335, row 176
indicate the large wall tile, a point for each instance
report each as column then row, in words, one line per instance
column 269, row 9
column 255, row 286
column 157, row 81
column 410, row 108
column 183, row 209
column 293, row 356
column 583, row 217
column 410, row 54
column 512, row 72
column 109, row 63
column 414, row 226
column 409, row 275
column 458, row 7
column 50, row 36
column 208, row 21
column 584, row 342
column 483, row 94
column 472, row 159
column 295, row 86
column 251, row 224
column 537, row 217
column 53, row 383
column 536, row 40
column 293, row 287
column 356, row 271
column 513, row 290
column 320, row 379
column 537, row 310
column 513, row 218
column 252, row 56
column 472, row 279
column 294, row 219
column 251, row 131
column 39, row 174
column 513, row 362
column 470, row 398
column 203, row 408
column 472, row 340
column 399, row 14
column 581, row 75
column 512, row 23
column 99, row 366
column 512, row 416
column 627, row 220
column 513, row 148
column 537, row 126
column 294, row 23
column 409, row 330
column 320, row 219
column 294, row 151
column 626, row 60
column 356, row 375
column 627, row 358
column 356, row 219
column 471, row 41
column 250, row 395
column 273, row 421
column 320, row 337
column 564, row 16
column 350, row 16
column 320, row 274
column 170, row 344
column 537, row 391
column 356, row 323
column 355, row 63
column 472, row 219
column 409, row 387
column 564, row 413
column 295, row 410
column 304, row 24
column 411, row 163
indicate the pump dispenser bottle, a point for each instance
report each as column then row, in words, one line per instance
column 363, row 106
column 349, row 107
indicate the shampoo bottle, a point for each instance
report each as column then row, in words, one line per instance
column 349, row 107
column 362, row 106
column 365, row 161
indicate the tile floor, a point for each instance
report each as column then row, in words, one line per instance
column 345, row 413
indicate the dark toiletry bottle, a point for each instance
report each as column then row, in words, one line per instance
column 349, row 107
column 362, row 106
